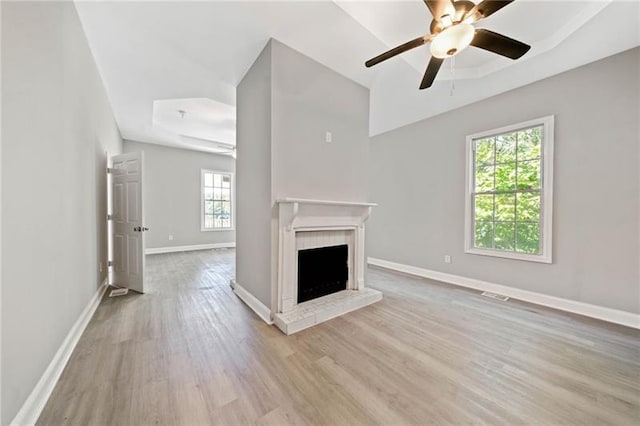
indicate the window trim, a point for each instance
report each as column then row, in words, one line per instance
column 233, row 201
column 546, row 192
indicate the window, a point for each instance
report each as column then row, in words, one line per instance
column 509, row 191
column 217, row 199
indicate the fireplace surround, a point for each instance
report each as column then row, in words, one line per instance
column 313, row 224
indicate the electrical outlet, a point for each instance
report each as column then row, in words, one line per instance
column 170, row 237
column 447, row 258
column 328, row 137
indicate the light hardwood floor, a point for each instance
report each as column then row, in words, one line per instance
column 190, row 352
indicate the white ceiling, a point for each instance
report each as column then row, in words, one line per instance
column 198, row 122
column 197, row 52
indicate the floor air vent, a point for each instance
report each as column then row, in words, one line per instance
column 118, row 292
column 499, row 297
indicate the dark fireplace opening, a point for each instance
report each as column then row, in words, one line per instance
column 322, row 271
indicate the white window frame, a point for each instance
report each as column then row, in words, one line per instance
column 233, row 200
column 546, row 192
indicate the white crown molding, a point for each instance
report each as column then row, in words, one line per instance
column 174, row 249
column 35, row 402
column 178, row 143
column 593, row 311
column 251, row 301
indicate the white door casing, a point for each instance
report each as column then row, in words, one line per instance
column 128, row 221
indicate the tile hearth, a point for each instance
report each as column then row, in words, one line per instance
column 307, row 314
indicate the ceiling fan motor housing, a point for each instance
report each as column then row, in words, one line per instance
column 461, row 8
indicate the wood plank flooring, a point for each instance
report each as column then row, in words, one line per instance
column 189, row 352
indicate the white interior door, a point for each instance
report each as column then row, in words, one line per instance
column 127, row 221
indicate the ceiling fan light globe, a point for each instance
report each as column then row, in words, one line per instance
column 452, row 40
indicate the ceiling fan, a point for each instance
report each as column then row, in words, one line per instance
column 452, row 31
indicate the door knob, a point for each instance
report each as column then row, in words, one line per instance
column 145, row 229
column 137, row 229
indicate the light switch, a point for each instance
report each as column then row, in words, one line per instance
column 328, row 137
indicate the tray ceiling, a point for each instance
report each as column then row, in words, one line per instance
column 153, row 51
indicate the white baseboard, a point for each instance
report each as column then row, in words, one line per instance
column 35, row 402
column 600, row 312
column 250, row 300
column 174, row 249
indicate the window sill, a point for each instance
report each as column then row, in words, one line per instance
column 217, row 229
column 539, row 258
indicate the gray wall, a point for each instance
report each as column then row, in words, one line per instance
column 172, row 194
column 57, row 125
column 253, row 178
column 285, row 104
column 309, row 99
column 418, row 180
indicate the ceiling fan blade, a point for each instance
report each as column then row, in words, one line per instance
column 398, row 50
column 438, row 8
column 497, row 43
column 431, row 72
column 485, row 9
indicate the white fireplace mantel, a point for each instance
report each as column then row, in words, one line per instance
column 301, row 212
column 325, row 202
column 305, row 215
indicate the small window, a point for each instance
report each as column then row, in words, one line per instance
column 217, row 201
column 510, row 191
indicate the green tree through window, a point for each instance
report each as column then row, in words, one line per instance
column 507, row 188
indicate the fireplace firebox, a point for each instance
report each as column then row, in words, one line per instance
column 322, row 271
